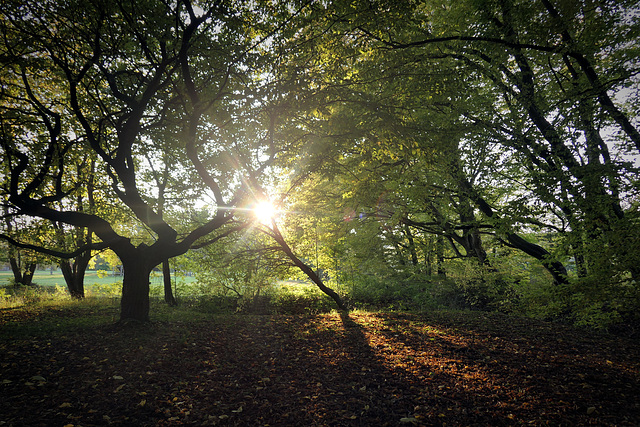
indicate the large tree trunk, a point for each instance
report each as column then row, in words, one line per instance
column 168, row 293
column 27, row 276
column 70, row 278
column 134, row 305
column 75, row 281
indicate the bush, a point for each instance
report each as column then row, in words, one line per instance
column 113, row 290
column 369, row 291
column 217, row 304
column 256, row 304
column 308, row 303
column 19, row 295
column 603, row 303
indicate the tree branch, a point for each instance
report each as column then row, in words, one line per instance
column 53, row 252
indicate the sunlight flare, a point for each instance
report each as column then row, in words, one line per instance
column 264, row 212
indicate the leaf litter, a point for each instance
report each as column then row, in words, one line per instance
column 361, row 369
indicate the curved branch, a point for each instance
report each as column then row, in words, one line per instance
column 435, row 40
column 58, row 254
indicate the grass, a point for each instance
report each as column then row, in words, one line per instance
column 55, row 278
column 62, row 316
column 53, row 317
column 50, row 288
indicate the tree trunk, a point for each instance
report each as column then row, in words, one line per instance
column 471, row 239
column 22, row 277
column 15, row 268
column 556, row 268
column 73, row 272
column 134, row 305
column 412, row 245
column 69, row 277
column 27, row 276
column 440, row 256
column 318, row 281
column 168, row 293
column 473, row 246
column 428, row 259
column 277, row 236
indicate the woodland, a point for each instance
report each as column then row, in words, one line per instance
column 420, row 212
column 479, row 154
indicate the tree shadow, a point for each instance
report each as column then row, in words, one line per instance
column 355, row 334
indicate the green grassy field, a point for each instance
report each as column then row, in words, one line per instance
column 92, row 281
column 49, row 278
column 53, row 278
column 52, row 288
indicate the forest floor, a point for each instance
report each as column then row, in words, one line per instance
column 364, row 369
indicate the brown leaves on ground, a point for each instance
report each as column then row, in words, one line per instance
column 365, row 369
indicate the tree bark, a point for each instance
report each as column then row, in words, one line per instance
column 168, row 292
column 15, row 269
column 440, row 256
column 74, row 272
column 27, row 276
column 134, row 305
column 412, row 245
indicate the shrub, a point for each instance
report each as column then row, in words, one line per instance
column 18, row 295
column 217, row 304
column 307, row 303
column 113, row 290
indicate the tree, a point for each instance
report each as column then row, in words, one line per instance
column 522, row 85
column 74, row 269
column 109, row 80
column 22, row 260
column 510, row 102
column 552, row 104
column 376, row 119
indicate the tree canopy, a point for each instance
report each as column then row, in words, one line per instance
column 405, row 138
